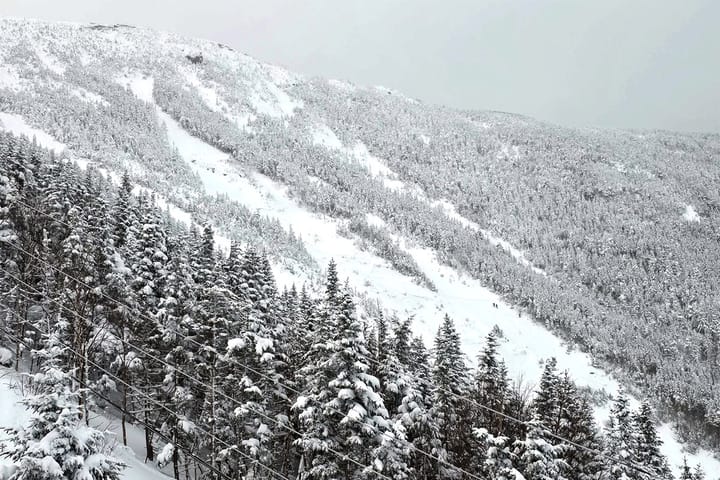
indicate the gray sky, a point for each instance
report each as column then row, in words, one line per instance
column 608, row 63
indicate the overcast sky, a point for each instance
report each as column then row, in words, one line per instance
column 608, row 63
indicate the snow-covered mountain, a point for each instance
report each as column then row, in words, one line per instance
column 593, row 247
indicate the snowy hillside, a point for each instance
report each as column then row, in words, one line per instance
column 270, row 159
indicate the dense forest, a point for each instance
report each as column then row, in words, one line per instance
column 627, row 277
column 112, row 305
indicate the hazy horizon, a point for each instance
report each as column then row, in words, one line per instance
column 645, row 65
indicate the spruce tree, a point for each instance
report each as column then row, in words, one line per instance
column 122, row 212
column 685, row 472
column 342, row 410
column 648, row 444
column 621, row 440
column 537, row 458
column 450, row 376
column 55, row 443
column 491, row 387
column 498, row 457
column 547, row 402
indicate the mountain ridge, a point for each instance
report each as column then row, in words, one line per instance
column 257, row 118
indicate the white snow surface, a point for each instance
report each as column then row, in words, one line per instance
column 375, row 221
column 50, row 61
column 16, row 124
column 88, row 96
column 140, row 85
column 12, row 415
column 10, row 78
column 690, row 214
column 6, row 356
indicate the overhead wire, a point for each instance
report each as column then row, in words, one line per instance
column 424, row 381
column 144, row 395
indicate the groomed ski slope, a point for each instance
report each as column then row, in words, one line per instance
column 526, row 344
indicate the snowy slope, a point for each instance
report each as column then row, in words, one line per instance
column 262, row 92
column 526, row 344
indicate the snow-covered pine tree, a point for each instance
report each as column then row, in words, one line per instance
column 685, row 472
column 341, row 410
column 648, row 445
column 269, row 286
column 546, row 404
column 499, row 460
column 537, row 458
column 621, row 440
column 55, row 443
column 16, row 185
column 490, row 387
column 451, row 380
column 122, row 213
column 232, row 266
column 147, row 250
column 578, row 425
column 388, row 367
column 252, row 376
column 698, row 473
column 415, row 409
column 174, row 315
column 80, row 287
column 518, row 407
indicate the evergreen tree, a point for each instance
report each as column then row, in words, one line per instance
column 342, row 410
column 491, row 387
column 546, row 405
column 147, row 246
column 402, row 342
column 649, row 443
column 579, row 427
column 122, row 212
column 55, row 444
column 416, row 408
column 499, row 459
column 621, row 440
column 537, row 458
column 450, row 376
column 685, row 472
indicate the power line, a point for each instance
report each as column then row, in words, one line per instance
column 235, row 361
column 230, row 359
column 197, row 381
column 120, row 408
column 154, row 401
column 426, row 382
column 525, row 423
